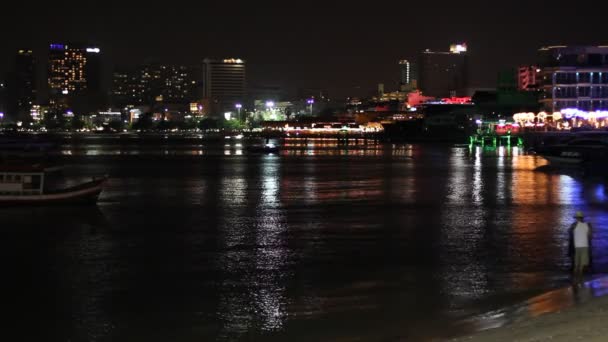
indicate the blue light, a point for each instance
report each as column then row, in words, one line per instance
column 600, row 194
column 57, row 47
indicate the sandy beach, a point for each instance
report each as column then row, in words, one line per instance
column 568, row 314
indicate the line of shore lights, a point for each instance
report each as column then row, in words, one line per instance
column 233, row 61
column 567, row 113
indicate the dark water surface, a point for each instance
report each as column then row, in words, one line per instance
column 383, row 243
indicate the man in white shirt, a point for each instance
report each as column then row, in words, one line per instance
column 580, row 237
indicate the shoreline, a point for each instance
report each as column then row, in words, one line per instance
column 566, row 314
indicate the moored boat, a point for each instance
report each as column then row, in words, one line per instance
column 25, row 185
column 576, row 153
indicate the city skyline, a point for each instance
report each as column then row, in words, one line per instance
column 341, row 48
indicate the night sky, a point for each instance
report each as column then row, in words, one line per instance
column 345, row 48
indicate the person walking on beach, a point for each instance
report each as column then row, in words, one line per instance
column 580, row 233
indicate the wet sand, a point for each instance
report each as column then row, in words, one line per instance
column 568, row 314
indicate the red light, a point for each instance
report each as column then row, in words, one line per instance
column 456, row 100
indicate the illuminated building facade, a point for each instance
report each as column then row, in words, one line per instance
column 574, row 77
column 444, row 74
column 73, row 69
column 405, row 68
column 154, row 83
column 408, row 76
column 178, row 83
column 527, row 78
column 224, row 82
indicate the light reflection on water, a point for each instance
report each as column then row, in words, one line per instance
column 321, row 147
column 397, row 240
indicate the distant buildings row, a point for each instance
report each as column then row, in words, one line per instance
column 75, row 83
column 563, row 77
column 74, row 80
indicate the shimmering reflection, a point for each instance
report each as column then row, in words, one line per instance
column 477, row 181
column 531, row 192
column 234, row 308
column 271, row 255
column 501, row 188
column 397, row 240
column 309, row 188
column 462, row 231
column 255, row 257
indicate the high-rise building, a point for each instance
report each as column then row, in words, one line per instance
column 151, row 78
column 121, row 87
column 224, row 82
column 405, row 68
column 444, row 74
column 408, row 75
column 574, row 77
column 25, row 80
column 128, row 88
column 20, row 86
column 154, row 83
column 73, row 70
column 93, row 70
column 527, row 78
column 179, row 83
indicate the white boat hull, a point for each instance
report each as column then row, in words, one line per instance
column 87, row 193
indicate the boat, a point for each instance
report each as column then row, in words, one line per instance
column 26, row 185
column 267, row 148
column 577, row 152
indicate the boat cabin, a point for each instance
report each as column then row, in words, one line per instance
column 20, row 180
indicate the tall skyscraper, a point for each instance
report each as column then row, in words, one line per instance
column 73, row 70
column 20, row 86
column 574, row 77
column 224, row 82
column 406, row 72
column 444, row 74
column 408, row 76
column 93, row 70
column 25, row 80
